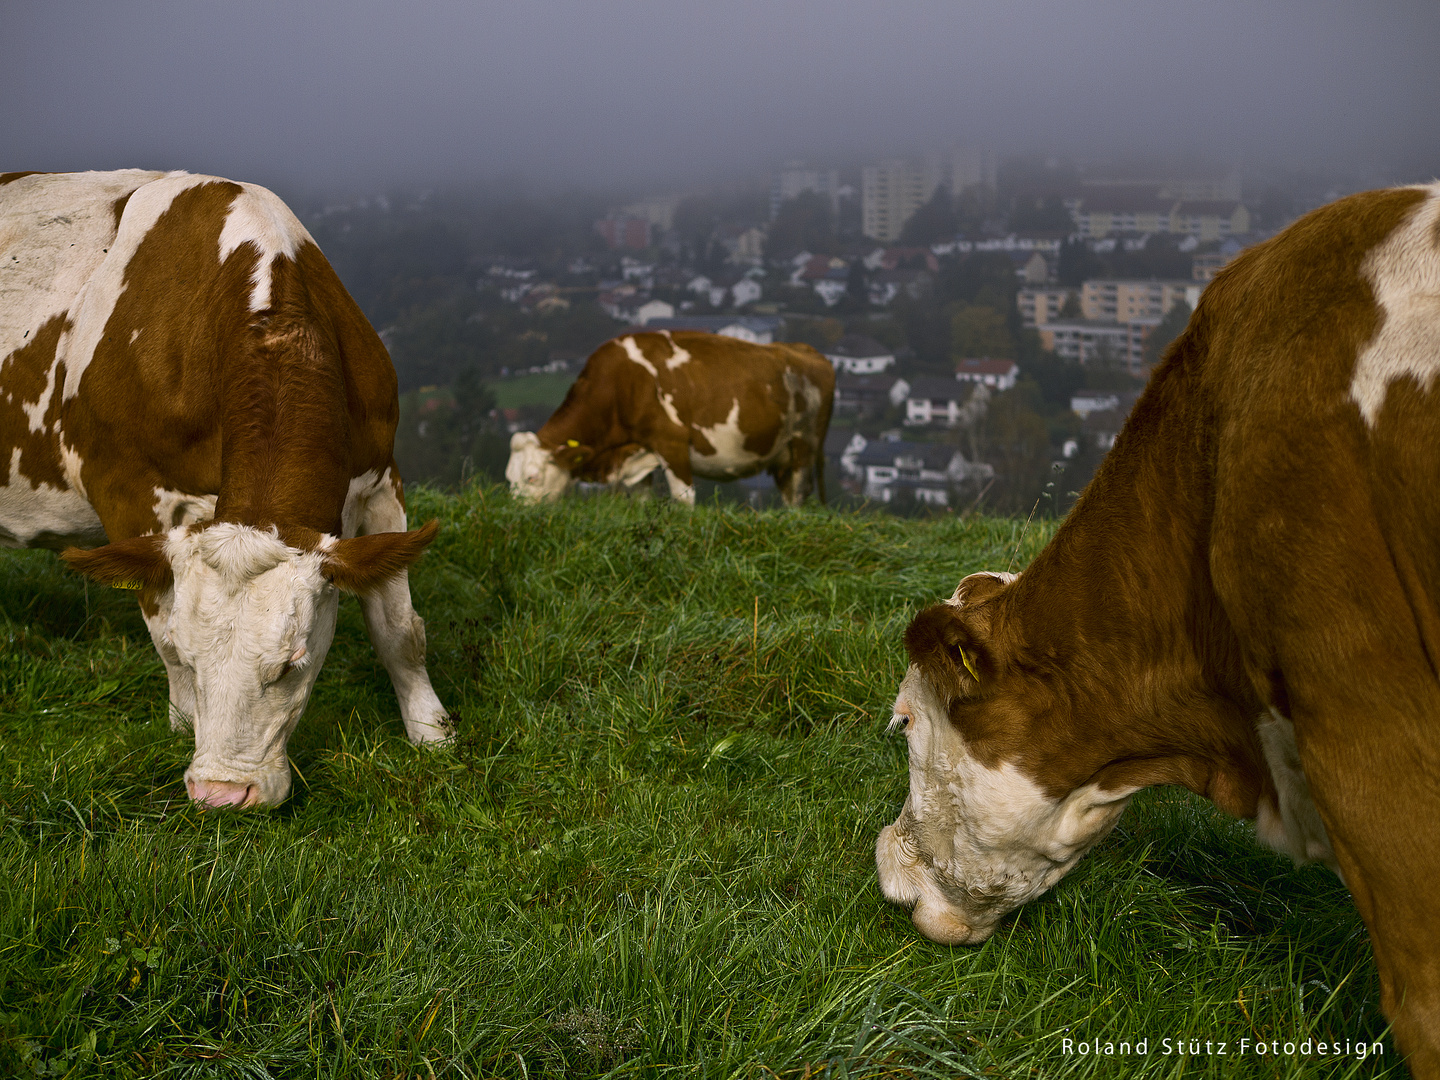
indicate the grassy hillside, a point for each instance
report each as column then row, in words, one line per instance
column 650, row 851
column 548, row 390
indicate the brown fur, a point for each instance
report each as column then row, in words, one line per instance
column 1248, row 544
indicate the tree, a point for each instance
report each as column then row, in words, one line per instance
column 804, row 223
column 1078, row 263
column 933, row 222
column 1170, row 327
column 979, row 330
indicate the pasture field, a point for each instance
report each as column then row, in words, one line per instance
column 648, row 853
column 542, row 389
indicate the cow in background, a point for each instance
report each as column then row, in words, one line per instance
column 693, row 404
column 183, row 375
column 1244, row 602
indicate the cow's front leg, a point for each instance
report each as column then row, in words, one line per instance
column 398, row 633
column 678, row 476
column 156, row 610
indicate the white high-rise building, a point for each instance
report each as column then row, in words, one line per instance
column 891, row 191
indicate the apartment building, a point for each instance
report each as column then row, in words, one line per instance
column 1041, row 304
column 891, row 191
column 1111, row 300
column 1084, row 340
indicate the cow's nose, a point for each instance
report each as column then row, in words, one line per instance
column 940, row 925
column 220, row 792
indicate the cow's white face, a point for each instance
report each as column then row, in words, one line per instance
column 975, row 842
column 250, row 620
column 243, row 622
column 977, row 838
column 532, row 471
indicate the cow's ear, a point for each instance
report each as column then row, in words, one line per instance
column 136, row 563
column 945, row 645
column 363, row 563
column 571, row 455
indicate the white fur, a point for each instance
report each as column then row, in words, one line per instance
column 396, row 631
column 54, row 230
column 678, row 355
column 632, row 350
column 40, row 515
column 258, row 217
column 241, row 605
column 532, row 471
column 730, row 458
column 972, row 842
column 1404, row 272
column 178, row 508
column 1294, row 826
column 635, row 468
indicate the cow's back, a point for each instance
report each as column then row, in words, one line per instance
column 208, row 362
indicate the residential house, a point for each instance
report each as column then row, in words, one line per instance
column 745, row 291
column 868, row 396
column 857, row 354
column 933, row 400
column 931, row 471
column 998, row 375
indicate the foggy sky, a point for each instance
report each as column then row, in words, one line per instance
column 352, row 96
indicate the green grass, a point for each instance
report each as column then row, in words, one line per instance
column 650, row 852
column 531, row 390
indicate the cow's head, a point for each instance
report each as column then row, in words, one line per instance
column 244, row 621
column 980, row 833
column 537, row 473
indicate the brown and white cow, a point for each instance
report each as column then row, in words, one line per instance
column 693, row 404
column 1245, row 602
column 183, row 375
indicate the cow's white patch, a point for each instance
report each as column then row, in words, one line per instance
column 632, row 350
column 241, row 605
column 71, row 465
column 54, row 232
column 1294, row 826
column 679, row 489
column 133, row 335
column 678, row 355
column 730, row 458
column 179, row 508
column 35, row 412
column 972, row 842
column 257, row 216
column 667, row 402
column 95, row 302
column 635, row 468
column 41, row 515
column 1404, row 272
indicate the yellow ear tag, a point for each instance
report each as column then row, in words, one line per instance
column 571, row 442
column 127, row 585
column 969, row 666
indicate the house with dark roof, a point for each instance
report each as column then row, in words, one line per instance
column 863, row 396
column 996, row 374
column 857, row 354
column 931, row 471
column 932, row 400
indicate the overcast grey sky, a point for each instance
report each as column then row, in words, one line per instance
column 356, row 95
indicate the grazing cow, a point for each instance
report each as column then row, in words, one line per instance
column 694, row 404
column 183, row 375
column 1244, row 602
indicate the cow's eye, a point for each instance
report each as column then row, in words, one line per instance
column 899, row 720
